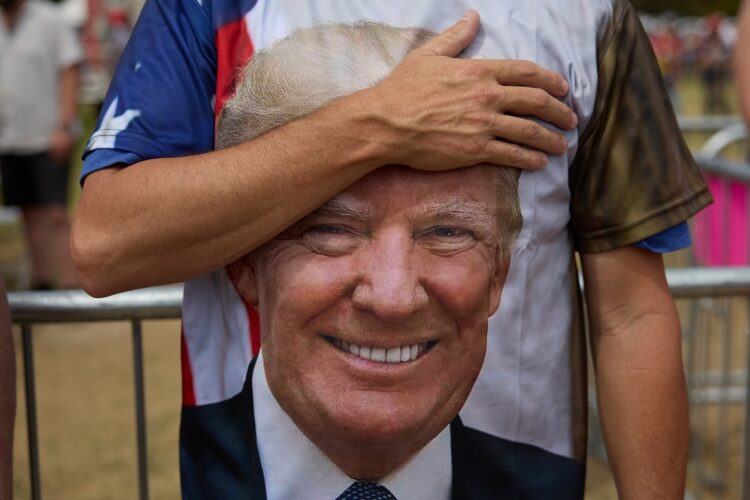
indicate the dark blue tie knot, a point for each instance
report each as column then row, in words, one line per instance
column 364, row 490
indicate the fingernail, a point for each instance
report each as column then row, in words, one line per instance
column 565, row 87
column 466, row 16
column 575, row 119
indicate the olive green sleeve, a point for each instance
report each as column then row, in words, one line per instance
column 633, row 175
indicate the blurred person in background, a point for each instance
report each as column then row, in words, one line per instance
column 7, row 397
column 669, row 51
column 713, row 63
column 741, row 59
column 39, row 60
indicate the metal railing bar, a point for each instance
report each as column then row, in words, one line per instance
column 140, row 409
column 706, row 123
column 713, row 282
column 723, row 446
column 31, row 413
column 75, row 305
column 714, row 377
column 732, row 170
column 712, row 395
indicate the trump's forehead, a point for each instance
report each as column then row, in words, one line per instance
column 465, row 194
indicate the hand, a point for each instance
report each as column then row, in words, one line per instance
column 61, row 145
column 439, row 112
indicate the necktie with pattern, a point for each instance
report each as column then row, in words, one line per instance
column 363, row 490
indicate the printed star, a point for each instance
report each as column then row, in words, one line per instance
column 112, row 125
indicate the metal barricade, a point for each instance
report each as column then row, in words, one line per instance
column 714, row 326
column 30, row 308
column 707, row 123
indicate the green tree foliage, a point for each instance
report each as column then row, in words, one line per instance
column 688, row 7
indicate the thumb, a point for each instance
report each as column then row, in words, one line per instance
column 452, row 41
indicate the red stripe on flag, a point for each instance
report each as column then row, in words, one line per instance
column 188, row 390
column 254, row 326
column 234, row 48
column 253, row 321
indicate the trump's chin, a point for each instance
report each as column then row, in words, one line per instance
column 371, row 435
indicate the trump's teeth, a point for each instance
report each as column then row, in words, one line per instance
column 400, row 354
column 393, row 355
column 377, row 354
column 405, row 353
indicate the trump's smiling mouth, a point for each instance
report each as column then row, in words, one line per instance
column 400, row 354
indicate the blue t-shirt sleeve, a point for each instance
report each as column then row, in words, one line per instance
column 160, row 101
column 675, row 238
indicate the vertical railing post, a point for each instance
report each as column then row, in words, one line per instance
column 746, row 440
column 31, row 414
column 140, row 410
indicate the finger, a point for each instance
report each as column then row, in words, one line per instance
column 529, row 74
column 505, row 154
column 538, row 103
column 452, row 41
column 527, row 132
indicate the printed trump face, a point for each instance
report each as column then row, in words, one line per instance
column 374, row 308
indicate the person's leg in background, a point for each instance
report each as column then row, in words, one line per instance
column 59, row 222
column 37, row 242
column 51, row 219
column 39, row 186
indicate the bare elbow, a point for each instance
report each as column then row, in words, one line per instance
column 89, row 253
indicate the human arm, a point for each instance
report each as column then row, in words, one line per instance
column 640, row 383
column 7, row 397
column 741, row 60
column 63, row 137
column 165, row 220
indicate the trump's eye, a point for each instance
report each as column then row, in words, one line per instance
column 326, row 229
column 446, row 239
column 330, row 239
column 447, row 232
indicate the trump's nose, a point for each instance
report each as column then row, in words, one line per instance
column 390, row 278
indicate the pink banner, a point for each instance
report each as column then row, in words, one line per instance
column 721, row 231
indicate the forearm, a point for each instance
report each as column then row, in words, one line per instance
column 68, row 96
column 643, row 409
column 7, row 397
column 165, row 220
column 640, row 381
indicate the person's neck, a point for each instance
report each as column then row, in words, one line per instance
column 364, row 458
column 11, row 12
column 367, row 462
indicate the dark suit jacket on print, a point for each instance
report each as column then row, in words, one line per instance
column 219, row 459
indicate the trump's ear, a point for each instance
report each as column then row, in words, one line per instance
column 242, row 274
column 498, row 281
